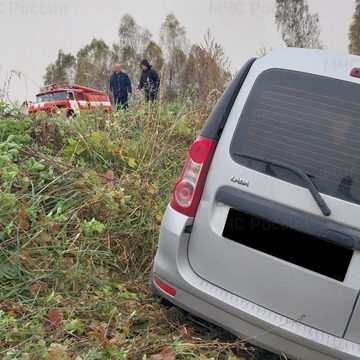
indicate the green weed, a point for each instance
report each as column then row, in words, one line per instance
column 81, row 202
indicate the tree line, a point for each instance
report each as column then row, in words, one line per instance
column 197, row 69
column 184, row 69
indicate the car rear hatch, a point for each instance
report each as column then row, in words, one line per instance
column 259, row 232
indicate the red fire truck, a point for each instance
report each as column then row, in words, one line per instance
column 70, row 100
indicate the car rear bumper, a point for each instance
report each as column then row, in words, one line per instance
column 249, row 321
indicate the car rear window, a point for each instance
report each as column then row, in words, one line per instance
column 305, row 120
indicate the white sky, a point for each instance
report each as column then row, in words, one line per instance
column 32, row 31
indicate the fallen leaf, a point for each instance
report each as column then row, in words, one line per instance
column 24, row 222
column 166, row 354
column 55, row 228
column 22, row 214
column 53, row 320
column 95, row 334
column 184, row 330
column 101, row 328
column 102, row 339
column 109, row 175
column 24, row 254
column 36, row 287
column 18, row 308
column 44, row 237
column 118, row 339
column 131, row 162
column 125, row 330
column 12, row 314
column 4, row 344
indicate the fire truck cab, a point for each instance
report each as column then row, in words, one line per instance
column 70, row 100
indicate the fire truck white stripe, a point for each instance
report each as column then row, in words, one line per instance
column 95, row 103
column 82, row 104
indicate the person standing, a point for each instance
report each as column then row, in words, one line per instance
column 149, row 81
column 120, row 86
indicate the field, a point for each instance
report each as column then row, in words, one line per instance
column 81, row 202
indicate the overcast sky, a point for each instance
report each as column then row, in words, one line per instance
column 32, row 31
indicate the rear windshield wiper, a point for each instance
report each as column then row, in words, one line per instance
column 301, row 173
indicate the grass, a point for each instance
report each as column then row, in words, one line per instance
column 81, row 202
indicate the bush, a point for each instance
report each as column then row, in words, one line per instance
column 81, row 202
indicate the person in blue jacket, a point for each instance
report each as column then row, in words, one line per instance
column 120, row 86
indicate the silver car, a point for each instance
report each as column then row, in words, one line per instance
column 262, row 235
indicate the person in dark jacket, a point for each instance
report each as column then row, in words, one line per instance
column 149, row 81
column 120, row 86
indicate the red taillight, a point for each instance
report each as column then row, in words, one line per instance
column 165, row 287
column 188, row 188
column 355, row 72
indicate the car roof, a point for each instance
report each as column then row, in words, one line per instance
column 321, row 62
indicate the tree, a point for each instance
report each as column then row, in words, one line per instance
column 172, row 35
column 298, row 27
column 175, row 44
column 128, row 32
column 132, row 45
column 154, row 53
column 354, row 31
column 93, row 65
column 62, row 71
column 207, row 68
